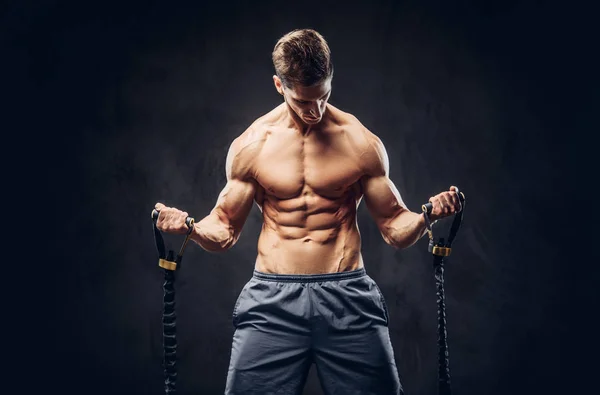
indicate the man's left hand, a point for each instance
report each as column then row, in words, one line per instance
column 445, row 204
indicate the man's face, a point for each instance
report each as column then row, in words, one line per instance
column 308, row 102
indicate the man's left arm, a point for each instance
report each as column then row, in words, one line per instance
column 400, row 227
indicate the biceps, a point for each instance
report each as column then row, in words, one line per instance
column 234, row 202
column 382, row 198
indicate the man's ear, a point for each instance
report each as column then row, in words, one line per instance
column 278, row 84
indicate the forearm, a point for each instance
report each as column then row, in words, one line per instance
column 213, row 234
column 405, row 229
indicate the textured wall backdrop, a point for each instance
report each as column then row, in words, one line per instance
column 138, row 102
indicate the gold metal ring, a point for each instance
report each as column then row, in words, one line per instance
column 169, row 265
column 441, row 251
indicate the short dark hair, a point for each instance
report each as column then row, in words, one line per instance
column 302, row 57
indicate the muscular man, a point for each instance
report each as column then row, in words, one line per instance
column 307, row 165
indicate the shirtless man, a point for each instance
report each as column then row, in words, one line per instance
column 307, row 165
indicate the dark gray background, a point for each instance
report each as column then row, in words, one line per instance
column 119, row 105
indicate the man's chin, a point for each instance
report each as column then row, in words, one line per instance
column 311, row 121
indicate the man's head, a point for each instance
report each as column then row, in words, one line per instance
column 303, row 73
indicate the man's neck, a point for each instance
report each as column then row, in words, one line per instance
column 298, row 124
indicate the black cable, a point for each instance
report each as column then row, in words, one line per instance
column 443, row 355
column 440, row 250
column 169, row 321
column 170, row 264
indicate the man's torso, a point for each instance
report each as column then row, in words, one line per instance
column 308, row 189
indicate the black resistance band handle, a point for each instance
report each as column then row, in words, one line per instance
column 442, row 247
column 167, row 259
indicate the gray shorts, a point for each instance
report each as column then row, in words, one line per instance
column 285, row 323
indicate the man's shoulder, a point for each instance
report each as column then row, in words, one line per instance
column 342, row 118
column 369, row 147
column 254, row 135
column 246, row 147
column 353, row 128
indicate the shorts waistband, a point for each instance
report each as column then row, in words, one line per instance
column 310, row 278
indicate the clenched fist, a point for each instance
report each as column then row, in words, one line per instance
column 171, row 220
column 445, row 204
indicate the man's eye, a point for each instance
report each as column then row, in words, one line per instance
column 301, row 102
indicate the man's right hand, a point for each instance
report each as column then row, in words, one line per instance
column 171, row 220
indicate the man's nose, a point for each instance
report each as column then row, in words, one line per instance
column 316, row 107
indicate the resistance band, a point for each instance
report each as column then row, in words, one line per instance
column 441, row 249
column 169, row 262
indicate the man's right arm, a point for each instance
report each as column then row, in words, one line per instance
column 221, row 229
